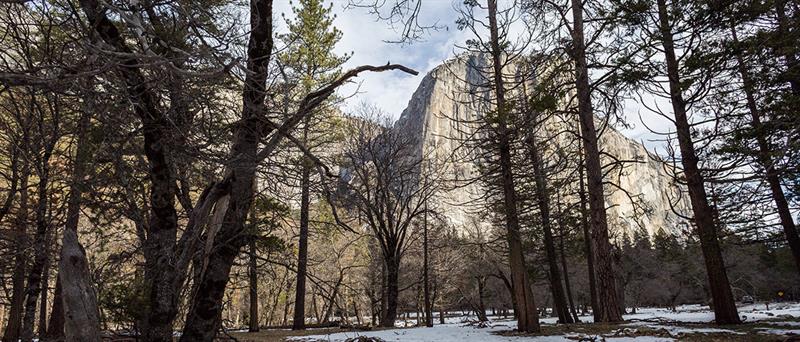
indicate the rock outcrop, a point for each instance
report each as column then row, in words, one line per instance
column 444, row 111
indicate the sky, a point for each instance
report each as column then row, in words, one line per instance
column 368, row 39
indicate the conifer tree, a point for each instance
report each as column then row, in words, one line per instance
column 310, row 60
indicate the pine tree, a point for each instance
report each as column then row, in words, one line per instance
column 310, row 42
column 724, row 306
column 763, row 135
column 310, row 59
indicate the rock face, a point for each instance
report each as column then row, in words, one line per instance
column 444, row 111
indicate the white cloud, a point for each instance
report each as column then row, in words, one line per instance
column 366, row 37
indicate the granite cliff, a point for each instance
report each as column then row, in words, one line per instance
column 441, row 114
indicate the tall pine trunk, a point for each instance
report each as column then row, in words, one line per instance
column 299, row 321
column 543, row 202
column 587, row 240
column 527, row 317
column 607, row 308
column 724, row 305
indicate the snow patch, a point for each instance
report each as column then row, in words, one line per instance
column 778, row 331
column 785, row 324
column 464, row 328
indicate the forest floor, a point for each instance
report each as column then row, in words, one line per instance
column 688, row 323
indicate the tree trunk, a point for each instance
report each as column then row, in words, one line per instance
column 356, row 312
column 253, row 268
column 36, row 274
column 384, row 293
column 425, row 279
column 14, row 325
column 302, row 248
column 510, row 287
column 543, row 201
column 587, row 241
column 55, row 328
column 566, row 274
column 285, row 319
column 392, row 291
column 43, row 301
column 159, row 245
column 203, row 317
column 621, row 282
column 724, row 306
column 481, row 310
column 607, row 309
column 335, row 293
column 527, row 317
column 80, row 314
column 765, row 159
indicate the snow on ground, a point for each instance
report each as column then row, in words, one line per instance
column 785, row 332
column 687, row 319
column 702, row 314
column 785, row 324
column 454, row 332
column 675, row 330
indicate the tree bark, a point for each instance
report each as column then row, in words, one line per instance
column 587, row 241
column 384, row 290
column 607, row 309
column 253, row 268
column 765, row 152
column 43, row 302
column 481, row 309
column 14, row 325
column 302, row 247
column 13, row 183
column 80, row 314
column 543, row 202
column 332, row 301
column 563, row 254
column 527, row 317
column 160, row 243
column 425, row 279
column 36, row 274
column 55, row 328
column 203, row 318
column 724, row 305
column 392, row 291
